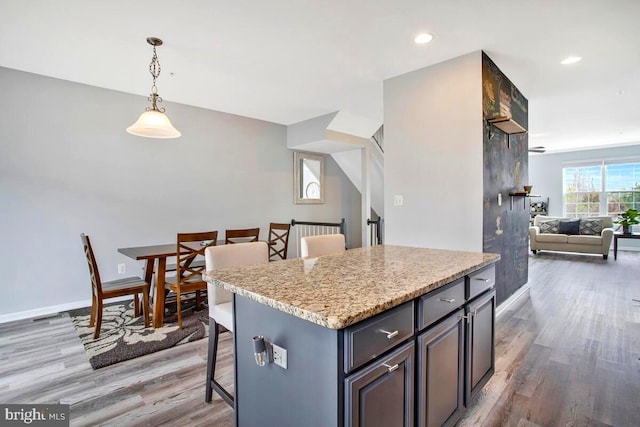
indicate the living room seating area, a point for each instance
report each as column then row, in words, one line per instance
column 583, row 235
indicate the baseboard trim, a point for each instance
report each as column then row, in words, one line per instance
column 524, row 289
column 53, row 309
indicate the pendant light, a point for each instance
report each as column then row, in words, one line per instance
column 153, row 123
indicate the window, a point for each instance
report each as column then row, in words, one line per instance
column 601, row 189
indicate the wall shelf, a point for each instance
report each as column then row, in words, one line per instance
column 522, row 194
column 506, row 125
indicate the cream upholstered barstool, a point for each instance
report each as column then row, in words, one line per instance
column 312, row 246
column 220, row 304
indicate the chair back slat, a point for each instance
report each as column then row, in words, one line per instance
column 94, row 274
column 189, row 247
column 278, row 240
column 245, row 235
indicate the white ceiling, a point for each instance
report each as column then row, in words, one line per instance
column 289, row 60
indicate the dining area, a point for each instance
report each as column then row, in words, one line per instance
column 176, row 267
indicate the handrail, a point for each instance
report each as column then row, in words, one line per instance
column 378, row 230
column 342, row 224
column 378, row 137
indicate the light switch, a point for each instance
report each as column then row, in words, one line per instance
column 398, row 200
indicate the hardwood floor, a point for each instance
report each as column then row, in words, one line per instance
column 43, row 361
column 566, row 354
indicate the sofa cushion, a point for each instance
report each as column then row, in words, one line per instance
column 585, row 240
column 590, row 226
column 551, row 226
column 552, row 238
column 569, row 227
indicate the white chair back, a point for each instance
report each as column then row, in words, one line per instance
column 313, row 246
column 236, row 255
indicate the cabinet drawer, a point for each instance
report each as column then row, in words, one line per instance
column 437, row 304
column 480, row 281
column 366, row 340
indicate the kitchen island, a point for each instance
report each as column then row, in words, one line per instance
column 383, row 335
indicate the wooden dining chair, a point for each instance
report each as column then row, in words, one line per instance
column 101, row 291
column 220, row 304
column 278, row 241
column 188, row 277
column 312, row 246
column 241, row 235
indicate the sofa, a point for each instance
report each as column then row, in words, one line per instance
column 586, row 235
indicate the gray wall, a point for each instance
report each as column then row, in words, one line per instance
column 506, row 227
column 434, row 157
column 67, row 166
column 545, row 174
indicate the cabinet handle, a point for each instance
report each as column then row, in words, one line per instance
column 449, row 300
column 390, row 368
column 468, row 317
column 389, row 334
column 481, row 279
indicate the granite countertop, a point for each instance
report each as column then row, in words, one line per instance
column 336, row 291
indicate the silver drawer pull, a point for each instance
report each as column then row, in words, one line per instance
column 481, row 279
column 389, row 334
column 449, row 300
column 390, row 368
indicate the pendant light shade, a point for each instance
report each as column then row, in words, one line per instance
column 153, row 123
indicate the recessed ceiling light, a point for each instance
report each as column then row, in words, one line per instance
column 423, row 38
column 570, row 60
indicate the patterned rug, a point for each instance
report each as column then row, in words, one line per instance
column 123, row 336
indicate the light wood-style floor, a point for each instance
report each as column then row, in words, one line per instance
column 567, row 354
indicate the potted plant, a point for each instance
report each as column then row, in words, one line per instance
column 627, row 219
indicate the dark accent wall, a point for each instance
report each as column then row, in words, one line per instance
column 505, row 229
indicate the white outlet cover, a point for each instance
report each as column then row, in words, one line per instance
column 280, row 356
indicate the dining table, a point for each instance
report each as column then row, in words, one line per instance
column 150, row 254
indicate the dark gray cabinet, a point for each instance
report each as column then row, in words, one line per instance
column 381, row 395
column 480, row 351
column 416, row 364
column 441, row 372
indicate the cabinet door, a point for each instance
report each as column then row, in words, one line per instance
column 441, row 372
column 381, row 395
column 480, row 343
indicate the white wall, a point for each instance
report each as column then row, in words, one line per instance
column 67, row 166
column 545, row 174
column 433, row 155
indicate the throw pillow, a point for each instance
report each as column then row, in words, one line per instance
column 551, row 226
column 570, row 227
column 591, row 226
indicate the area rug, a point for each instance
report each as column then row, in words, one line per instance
column 123, row 336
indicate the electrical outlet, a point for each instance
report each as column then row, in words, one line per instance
column 280, row 356
column 122, row 268
column 398, row 200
